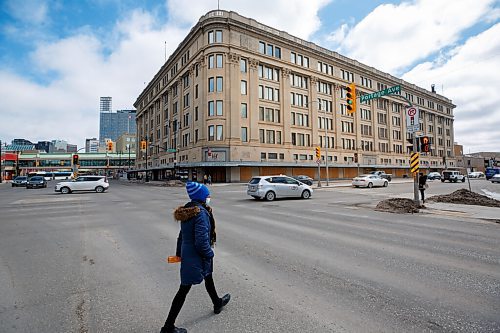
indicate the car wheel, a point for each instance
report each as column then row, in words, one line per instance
column 386, row 184
column 370, row 185
column 99, row 189
column 65, row 190
column 306, row 194
column 270, row 196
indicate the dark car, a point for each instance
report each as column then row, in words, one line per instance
column 19, row 181
column 434, row 176
column 35, row 182
column 304, row 179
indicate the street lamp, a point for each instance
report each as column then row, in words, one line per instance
column 327, row 143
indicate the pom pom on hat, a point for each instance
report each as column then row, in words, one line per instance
column 197, row 191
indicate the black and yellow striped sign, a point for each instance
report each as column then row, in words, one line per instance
column 414, row 164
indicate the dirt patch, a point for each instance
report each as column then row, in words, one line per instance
column 466, row 197
column 398, row 205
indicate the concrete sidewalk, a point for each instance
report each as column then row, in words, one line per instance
column 458, row 210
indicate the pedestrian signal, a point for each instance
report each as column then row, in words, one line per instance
column 351, row 98
column 425, row 145
column 318, row 152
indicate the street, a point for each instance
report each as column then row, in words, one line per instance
column 89, row 262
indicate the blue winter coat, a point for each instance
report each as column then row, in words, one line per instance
column 193, row 243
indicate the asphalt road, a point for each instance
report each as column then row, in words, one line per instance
column 96, row 263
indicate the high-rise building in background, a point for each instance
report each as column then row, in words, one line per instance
column 105, row 105
column 92, row 145
column 112, row 125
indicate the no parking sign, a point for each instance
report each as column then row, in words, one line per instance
column 412, row 119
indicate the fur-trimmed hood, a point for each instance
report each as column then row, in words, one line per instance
column 183, row 213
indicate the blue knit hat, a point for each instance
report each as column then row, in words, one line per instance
column 197, row 191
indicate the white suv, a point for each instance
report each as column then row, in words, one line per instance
column 453, row 176
column 272, row 187
column 84, row 183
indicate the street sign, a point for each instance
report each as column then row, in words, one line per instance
column 412, row 119
column 414, row 163
column 378, row 94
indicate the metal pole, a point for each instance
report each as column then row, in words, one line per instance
column 326, row 150
column 319, row 173
column 147, row 144
column 415, row 175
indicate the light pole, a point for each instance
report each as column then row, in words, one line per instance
column 147, row 144
column 327, row 144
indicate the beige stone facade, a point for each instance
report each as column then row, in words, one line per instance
column 238, row 98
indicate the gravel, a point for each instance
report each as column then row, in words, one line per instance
column 466, row 197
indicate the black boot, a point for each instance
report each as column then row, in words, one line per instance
column 223, row 301
column 173, row 330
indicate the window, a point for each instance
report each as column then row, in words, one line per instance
column 244, row 110
column 346, row 75
column 299, row 59
column 219, row 84
column 366, row 114
column 382, row 118
column 269, row 114
column 269, row 73
column 325, row 68
column 185, row 81
column 243, row 87
column 270, row 50
column 219, row 105
column 269, row 93
column 196, row 91
column 299, row 100
column 261, row 136
column 211, row 111
column 243, row 65
column 324, row 88
column 211, row 84
column 244, row 134
column 186, row 100
column 196, row 113
column 211, row 133
column 365, row 82
column 298, row 81
column 219, row 133
column 215, row 36
column 218, row 62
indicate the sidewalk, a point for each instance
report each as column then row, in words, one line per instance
column 469, row 211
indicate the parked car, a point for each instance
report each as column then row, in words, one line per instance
column 369, row 181
column 452, row 176
column 272, row 187
column 304, row 179
column 495, row 178
column 476, row 174
column 84, row 183
column 36, row 182
column 19, row 181
column 433, row 176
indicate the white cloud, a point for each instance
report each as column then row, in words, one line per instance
column 68, row 107
column 297, row 17
column 32, row 12
column 470, row 78
column 393, row 37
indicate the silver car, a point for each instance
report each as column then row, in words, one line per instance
column 83, row 183
column 272, row 187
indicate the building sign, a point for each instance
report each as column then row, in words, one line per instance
column 215, row 155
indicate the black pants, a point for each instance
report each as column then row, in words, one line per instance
column 422, row 190
column 180, row 297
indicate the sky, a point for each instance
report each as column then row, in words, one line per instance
column 58, row 57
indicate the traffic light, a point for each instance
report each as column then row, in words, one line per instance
column 143, row 145
column 413, row 149
column 75, row 159
column 318, row 153
column 425, row 145
column 110, row 145
column 351, row 98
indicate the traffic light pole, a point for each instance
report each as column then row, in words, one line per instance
column 415, row 175
column 319, row 173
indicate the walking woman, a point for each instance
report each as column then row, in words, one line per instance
column 194, row 246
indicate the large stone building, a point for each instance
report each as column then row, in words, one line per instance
column 238, row 98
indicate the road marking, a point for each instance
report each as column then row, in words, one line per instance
column 55, row 198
